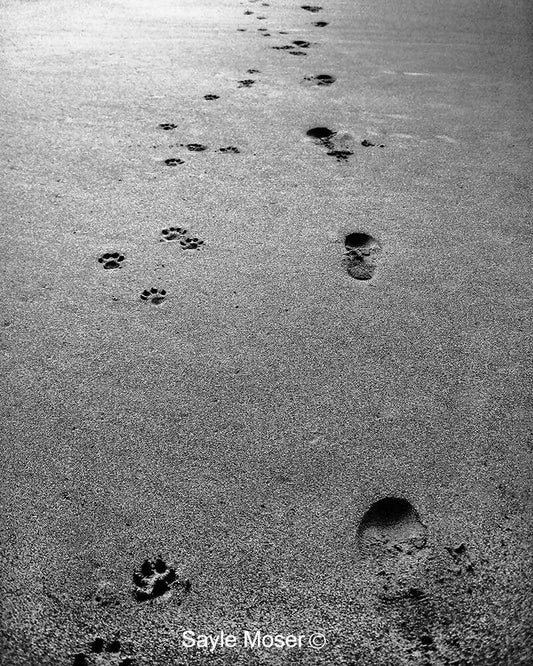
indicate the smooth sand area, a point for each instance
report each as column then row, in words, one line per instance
column 279, row 428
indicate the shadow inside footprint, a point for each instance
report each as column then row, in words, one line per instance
column 321, row 79
column 211, row 97
column 392, row 523
column 320, row 24
column 361, row 255
column 322, row 134
column 246, row 83
column 311, row 8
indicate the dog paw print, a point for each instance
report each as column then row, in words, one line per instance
column 103, row 653
column 246, row 83
column 154, row 296
column 210, row 97
column 229, row 149
column 172, row 234
column 191, row 243
column 111, row 260
column 196, row 147
column 168, row 126
column 157, row 579
column 174, row 161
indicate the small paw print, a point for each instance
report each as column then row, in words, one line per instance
column 211, row 97
column 156, row 579
column 229, row 149
column 246, row 83
column 154, row 296
column 168, row 126
column 104, row 654
column 191, row 243
column 174, row 161
column 172, row 233
column 111, row 260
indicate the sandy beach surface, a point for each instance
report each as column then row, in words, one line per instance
column 265, row 335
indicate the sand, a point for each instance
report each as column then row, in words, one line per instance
column 264, row 441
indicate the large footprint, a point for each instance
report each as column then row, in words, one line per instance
column 393, row 536
column 361, row 256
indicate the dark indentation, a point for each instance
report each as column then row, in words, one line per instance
column 246, row 83
column 248, row 12
column 426, row 640
column 196, row 147
column 287, row 47
column 252, row 71
column 282, row 32
column 111, row 260
column 114, row 646
column 302, row 43
column 211, row 97
column 160, row 587
column 320, row 133
column 168, row 126
column 229, row 149
column 298, row 53
column 367, row 144
column 241, row 29
column 173, row 161
column 97, row 645
column 261, row 30
column 138, row 579
column 391, row 520
column 311, row 8
column 266, row 34
column 320, row 24
column 160, row 565
column 170, row 576
column 80, row 660
column 341, row 155
column 325, row 79
column 146, row 566
column 260, row 18
column 127, row 661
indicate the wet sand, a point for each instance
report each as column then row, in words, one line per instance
column 241, row 434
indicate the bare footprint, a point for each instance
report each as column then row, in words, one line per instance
column 393, row 538
column 360, row 258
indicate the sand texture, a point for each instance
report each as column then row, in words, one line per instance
column 265, row 330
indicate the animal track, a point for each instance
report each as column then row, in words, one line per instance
column 172, row 233
column 154, row 296
column 174, row 161
column 302, row 43
column 246, row 83
column 168, row 126
column 190, row 243
column 321, row 79
column 320, row 24
column 196, row 147
column 111, row 260
column 298, row 53
column 311, row 8
column 211, row 97
column 253, row 71
column 360, row 261
column 229, row 149
column 112, row 650
column 156, row 579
